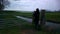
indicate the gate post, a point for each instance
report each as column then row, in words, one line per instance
column 42, row 19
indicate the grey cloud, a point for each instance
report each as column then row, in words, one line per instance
column 31, row 5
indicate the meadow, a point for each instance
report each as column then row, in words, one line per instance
column 14, row 25
column 50, row 16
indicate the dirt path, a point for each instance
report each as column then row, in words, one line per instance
column 49, row 24
column 30, row 31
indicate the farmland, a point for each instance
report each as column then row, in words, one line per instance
column 50, row 16
column 14, row 25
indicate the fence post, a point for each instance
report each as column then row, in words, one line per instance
column 42, row 19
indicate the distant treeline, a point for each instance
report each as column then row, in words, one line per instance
column 27, row 11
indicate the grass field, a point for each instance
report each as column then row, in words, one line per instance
column 18, row 26
column 13, row 25
column 50, row 16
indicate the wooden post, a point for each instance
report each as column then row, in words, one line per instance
column 42, row 19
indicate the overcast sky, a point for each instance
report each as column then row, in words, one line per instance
column 31, row 5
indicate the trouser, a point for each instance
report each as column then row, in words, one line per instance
column 36, row 24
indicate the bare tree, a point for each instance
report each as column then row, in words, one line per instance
column 3, row 4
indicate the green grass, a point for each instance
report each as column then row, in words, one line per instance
column 53, row 16
column 10, row 19
column 16, row 29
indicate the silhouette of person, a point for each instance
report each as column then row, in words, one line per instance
column 36, row 17
column 33, row 17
